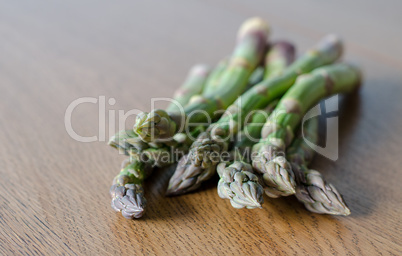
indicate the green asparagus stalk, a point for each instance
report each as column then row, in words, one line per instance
column 238, row 182
column 249, row 50
column 312, row 190
column 205, row 152
column 277, row 133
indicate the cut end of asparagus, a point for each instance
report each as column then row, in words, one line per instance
column 319, row 196
column 251, row 44
column 252, row 25
column 200, row 70
column 238, row 184
column 129, row 200
column 154, row 125
column 281, row 50
column 330, row 48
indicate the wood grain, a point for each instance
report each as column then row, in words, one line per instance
column 54, row 190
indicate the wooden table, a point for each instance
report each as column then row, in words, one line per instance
column 54, row 190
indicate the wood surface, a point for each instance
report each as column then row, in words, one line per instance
column 54, row 190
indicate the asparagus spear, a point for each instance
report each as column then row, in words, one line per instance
column 127, row 191
column 238, row 182
column 312, row 190
column 249, row 50
column 308, row 90
column 205, row 152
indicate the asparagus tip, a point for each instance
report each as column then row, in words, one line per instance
column 205, row 151
column 277, row 176
column 180, row 187
column 319, row 196
column 347, row 211
column 129, row 200
column 188, row 177
column 240, row 185
column 154, row 125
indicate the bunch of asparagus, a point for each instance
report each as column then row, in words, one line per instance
column 264, row 93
